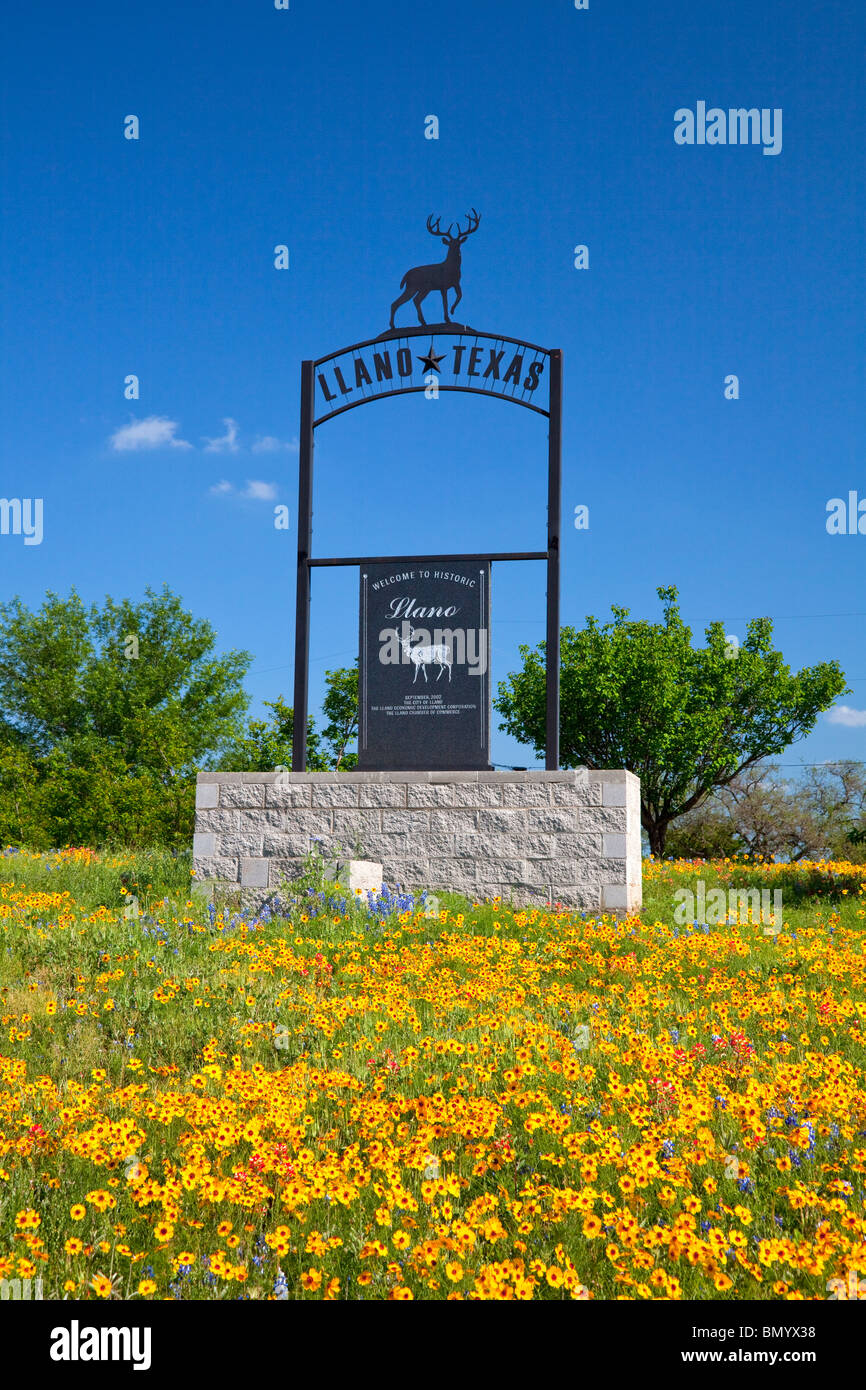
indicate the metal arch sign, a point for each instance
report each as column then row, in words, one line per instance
column 485, row 364
column 459, row 358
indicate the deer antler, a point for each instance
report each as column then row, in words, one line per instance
column 434, row 231
column 470, row 229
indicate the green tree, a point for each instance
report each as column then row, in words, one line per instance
column 267, row 743
column 106, row 713
column 763, row 813
column 685, row 720
column 340, row 706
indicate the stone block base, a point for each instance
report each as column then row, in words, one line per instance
column 527, row 837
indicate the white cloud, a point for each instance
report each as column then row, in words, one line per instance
column 844, row 714
column 262, row 492
column 226, row 444
column 156, row 432
column 269, row 444
column 255, row 490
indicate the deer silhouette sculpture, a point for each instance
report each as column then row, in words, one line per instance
column 418, row 282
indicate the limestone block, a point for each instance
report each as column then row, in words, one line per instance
column 282, row 797
column 381, row 794
column 615, row 895
column 482, row 794
column 530, row 794
column 575, row 794
column 556, row 821
column 613, row 846
column 216, row 820
column 285, row 869
column 241, row 846
column 494, row 823
column 408, row 873
column 503, row 870
column 302, row 822
column 360, row 877
column 254, row 873
column 539, row 846
column 357, row 826
column 215, row 867
column 578, row 847
column 458, row 877
column 281, row 843
column 335, row 795
column 602, row 818
column 431, row 794
column 235, row 794
column 406, row 822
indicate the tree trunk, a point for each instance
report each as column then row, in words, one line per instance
column 657, row 833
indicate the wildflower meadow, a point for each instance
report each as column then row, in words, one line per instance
column 416, row 1098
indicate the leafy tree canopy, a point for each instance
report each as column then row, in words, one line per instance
column 140, row 677
column 684, row 719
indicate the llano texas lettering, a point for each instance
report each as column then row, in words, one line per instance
column 736, row 126
column 75, row 1343
column 501, row 369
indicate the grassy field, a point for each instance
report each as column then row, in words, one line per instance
column 399, row 1101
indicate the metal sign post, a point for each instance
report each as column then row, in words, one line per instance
column 476, row 362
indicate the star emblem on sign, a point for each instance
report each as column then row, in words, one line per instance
column 431, row 362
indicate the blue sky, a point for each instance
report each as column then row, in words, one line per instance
column 306, row 127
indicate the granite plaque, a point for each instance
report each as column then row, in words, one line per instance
column 424, row 670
